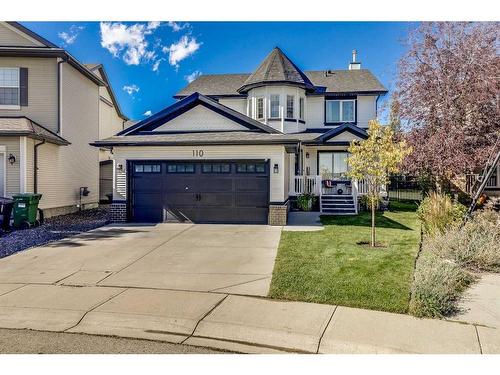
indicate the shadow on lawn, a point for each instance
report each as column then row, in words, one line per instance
column 364, row 220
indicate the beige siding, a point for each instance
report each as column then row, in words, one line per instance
column 275, row 153
column 9, row 36
column 12, row 171
column 366, row 110
column 42, row 89
column 239, row 105
column 30, row 144
column 200, row 118
column 64, row 169
column 315, row 112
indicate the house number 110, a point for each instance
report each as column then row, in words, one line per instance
column 197, row 153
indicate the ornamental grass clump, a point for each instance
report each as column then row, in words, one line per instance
column 437, row 286
column 475, row 246
column 438, row 213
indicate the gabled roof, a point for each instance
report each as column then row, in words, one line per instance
column 24, row 126
column 185, row 105
column 102, row 71
column 359, row 132
column 47, row 50
column 32, row 34
column 276, row 68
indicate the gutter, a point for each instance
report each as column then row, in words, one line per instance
column 35, row 166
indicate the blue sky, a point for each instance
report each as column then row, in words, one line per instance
column 147, row 63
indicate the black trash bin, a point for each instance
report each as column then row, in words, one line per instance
column 6, row 205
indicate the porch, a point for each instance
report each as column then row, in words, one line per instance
column 336, row 196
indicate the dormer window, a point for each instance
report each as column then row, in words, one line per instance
column 260, row 108
column 275, row 106
column 340, row 111
column 290, row 101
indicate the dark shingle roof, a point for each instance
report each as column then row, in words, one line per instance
column 24, row 126
column 276, row 67
column 336, row 81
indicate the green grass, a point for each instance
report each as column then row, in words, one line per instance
column 329, row 267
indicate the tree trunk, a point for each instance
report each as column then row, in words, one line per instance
column 373, row 224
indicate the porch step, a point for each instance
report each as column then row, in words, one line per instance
column 338, row 205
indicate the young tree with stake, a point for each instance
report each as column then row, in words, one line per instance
column 373, row 160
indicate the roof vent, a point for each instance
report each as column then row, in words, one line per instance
column 354, row 65
column 329, row 73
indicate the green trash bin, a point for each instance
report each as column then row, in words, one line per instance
column 25, row 209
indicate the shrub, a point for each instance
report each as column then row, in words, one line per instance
column 475, row 246
column 305, row 201
column 437, row 213
column 437, row 285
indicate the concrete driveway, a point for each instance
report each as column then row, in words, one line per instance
column 235, row 259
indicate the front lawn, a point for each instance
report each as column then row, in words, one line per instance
column 330, row 267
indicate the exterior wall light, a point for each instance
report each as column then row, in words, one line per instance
column 119, row 167
column 12, row 159
column 307, row 155
column 276, row 168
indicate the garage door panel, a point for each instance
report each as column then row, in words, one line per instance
column 148, row 199
column 258, row 183
column 250, row 200
column 212, row 192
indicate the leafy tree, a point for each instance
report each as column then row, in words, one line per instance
column 374, row 159
column 447, row 90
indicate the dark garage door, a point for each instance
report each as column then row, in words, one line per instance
column 201, row 192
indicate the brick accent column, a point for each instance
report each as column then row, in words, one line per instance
column 118, row 212
column 278, row 214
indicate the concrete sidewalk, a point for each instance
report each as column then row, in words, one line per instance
column 232, row 322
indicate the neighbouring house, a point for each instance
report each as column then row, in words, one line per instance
column 51, row 108
column 237, row 148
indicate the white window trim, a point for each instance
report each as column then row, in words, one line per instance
column 13, row 106
column 293, row 107
column 257, row 108
column 271, row 106
column 340, row 110
column 302, row 108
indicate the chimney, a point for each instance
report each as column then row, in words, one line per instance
column 354, row 65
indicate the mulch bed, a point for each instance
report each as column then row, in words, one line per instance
column 54, row 228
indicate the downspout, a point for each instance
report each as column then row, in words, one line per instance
column 35, row 166
column 59, row 67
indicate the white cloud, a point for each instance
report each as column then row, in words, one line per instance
column 70, row 36
column 185, row 47
column 191, row 77
column 176, row 26
column 131, row 89
column 156, row 64
column 147, row 113
column 128, row 41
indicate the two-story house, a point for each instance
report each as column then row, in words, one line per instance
column 236, row 148
column 51, row 108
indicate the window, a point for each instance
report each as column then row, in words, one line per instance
column 9, row 86
column 340, row 111
column 251, row 168
column 147, row 168
column 301, row 108
column 216, row 168
column 290, row 99
column 250, row 111
column 333, row 165
column 260, row 108
column 180, row 168
column 275, row 106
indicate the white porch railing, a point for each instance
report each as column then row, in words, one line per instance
column 305, row 184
